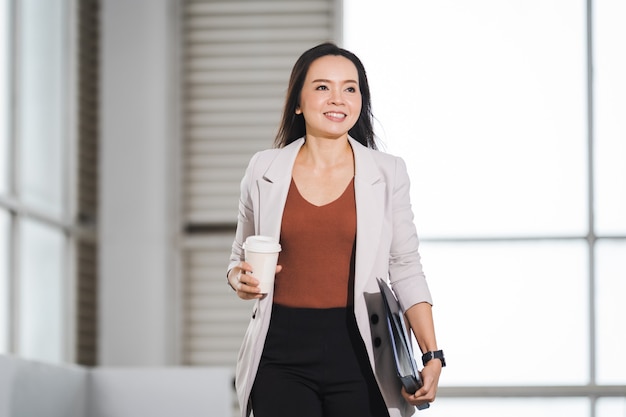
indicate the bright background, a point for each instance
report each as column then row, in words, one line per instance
column 487, row 101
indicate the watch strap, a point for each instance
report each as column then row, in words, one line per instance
column 434, row 354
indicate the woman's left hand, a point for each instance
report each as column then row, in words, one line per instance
column 430, row 380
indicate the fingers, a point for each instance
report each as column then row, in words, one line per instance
column 244, row 283
column 428, row 391
column 247, row 286
column 420, row 397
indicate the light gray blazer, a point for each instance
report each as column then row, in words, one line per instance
column 386, row 246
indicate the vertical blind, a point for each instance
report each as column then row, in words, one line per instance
column 236, row 64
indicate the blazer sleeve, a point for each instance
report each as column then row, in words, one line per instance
column 405, row 268
column 245, row 217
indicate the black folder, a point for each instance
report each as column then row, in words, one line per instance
column 402, row 347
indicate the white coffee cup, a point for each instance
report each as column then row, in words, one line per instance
column 262, row 255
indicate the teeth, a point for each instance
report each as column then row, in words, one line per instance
column 332, row 114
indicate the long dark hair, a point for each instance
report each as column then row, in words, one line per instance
column 292, row 125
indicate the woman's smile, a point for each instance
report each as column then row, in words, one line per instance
column 339, row 117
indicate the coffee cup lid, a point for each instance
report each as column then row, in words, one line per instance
column 261, row 244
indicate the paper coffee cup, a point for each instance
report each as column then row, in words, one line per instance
column 262, row 255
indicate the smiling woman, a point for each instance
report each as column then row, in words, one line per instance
column 341, row 212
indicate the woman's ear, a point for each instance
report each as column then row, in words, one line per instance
column 298, row 110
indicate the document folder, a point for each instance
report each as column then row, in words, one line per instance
column 401, row 345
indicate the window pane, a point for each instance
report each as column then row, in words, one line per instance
column 535, row 407
column 611, row 407
column 5, row 64
column 611, row 311
column 610, row 108
column 486, row 102
column 41, row 292
column 523, row 304
column 4, row 281
column 42, row 102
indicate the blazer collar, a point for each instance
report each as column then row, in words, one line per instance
column 365, row 169
column 273, row 189
column 281, row 167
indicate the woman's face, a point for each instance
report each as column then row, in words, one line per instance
column 330, row 100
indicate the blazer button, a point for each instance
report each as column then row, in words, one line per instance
column 374, row 318
column 377, row 342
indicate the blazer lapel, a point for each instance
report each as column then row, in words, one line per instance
column 370, row 199
column 273, row 188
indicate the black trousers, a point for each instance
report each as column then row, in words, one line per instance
column 314, row 364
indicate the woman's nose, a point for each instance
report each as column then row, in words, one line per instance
column 336, row 97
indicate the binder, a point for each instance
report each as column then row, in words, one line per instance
column 401, row 345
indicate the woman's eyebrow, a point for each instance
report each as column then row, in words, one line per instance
column 323, row 80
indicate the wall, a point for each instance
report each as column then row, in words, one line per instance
column 137, row 291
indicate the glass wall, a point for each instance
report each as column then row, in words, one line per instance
column 41, row 292
column 35, row 150
column 609, row 140
column 609, row 121
column 42, row 105
column 611, row 311
column 516, row 156
column 4, row 282
column 4, row 171
column 504, row 300
column 536, row 407
column 5, row 67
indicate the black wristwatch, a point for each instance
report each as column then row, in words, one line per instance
column 437, row 354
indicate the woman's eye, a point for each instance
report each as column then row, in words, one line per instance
column 322, row 87
column 351, row 90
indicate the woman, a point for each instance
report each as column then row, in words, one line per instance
column 317, row 344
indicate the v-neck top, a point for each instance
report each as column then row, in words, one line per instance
column 317, row 255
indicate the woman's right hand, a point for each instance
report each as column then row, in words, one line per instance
column 244, row 283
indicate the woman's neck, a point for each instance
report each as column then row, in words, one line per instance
column 325, row 153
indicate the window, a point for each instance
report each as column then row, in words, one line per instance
column 43, row 220
column 36, row 136
column 42, row 292
column 609, row 124
column 4, row 181
column 5, row 68
column 516, row 156
column 4, row 282
column 42, row 101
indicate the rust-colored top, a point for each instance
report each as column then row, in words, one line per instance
column 317, row 253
